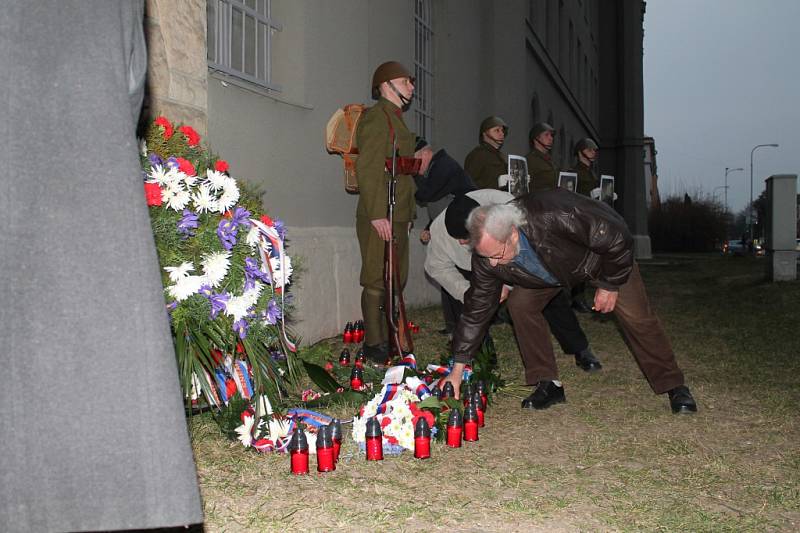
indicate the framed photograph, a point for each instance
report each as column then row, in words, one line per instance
column 607, row 189
column 518, row 171
column 568, row 180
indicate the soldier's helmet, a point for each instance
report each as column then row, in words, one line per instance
column 585, row 144
column 538, row 129
column 388, row 71
column 491, row 122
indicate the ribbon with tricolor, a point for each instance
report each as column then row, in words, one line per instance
column 271, row 234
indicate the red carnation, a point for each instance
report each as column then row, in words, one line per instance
column 221, row 166
column 186, row 166
column 152, row 192
column 164, row 123
column 266, row 220
column 192, row 137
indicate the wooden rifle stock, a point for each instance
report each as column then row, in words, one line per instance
column 395, row 307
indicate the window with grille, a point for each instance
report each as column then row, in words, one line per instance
column 240, row 34
column 423, row 68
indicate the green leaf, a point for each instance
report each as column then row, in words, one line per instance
column 346, row 396
column 321, row 378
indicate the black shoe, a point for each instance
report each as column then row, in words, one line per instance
column 580, row 305
column 376, row 354
column 546, row 394
column 681, row 400
column 587, row 361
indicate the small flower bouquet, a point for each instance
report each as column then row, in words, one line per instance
column 225, row 268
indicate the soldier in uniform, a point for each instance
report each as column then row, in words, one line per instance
column 586, row 154
column 542, row 170
column 486, row 161
column 378, row 130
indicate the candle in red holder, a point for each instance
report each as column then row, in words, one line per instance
column 360, row 358
column 477, row 403
column 466, row 392
column 374, row 440
column 448, row 391
column 344, row 357
column 454, row 429
column 347, row 336
column 336, row 434
column 325, row 452
column 436, row 391
column 480, row 387
column 470, row 423
column 298, row 452
column 422, row 439
column 356, row 378
column 358, row 332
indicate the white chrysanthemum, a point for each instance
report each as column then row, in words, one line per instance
column 280, row 275
column 228, row 199
column 176, row 197
column 216, row 180
column 157, row 175
column 252, row 237
column 238, row 307
column 278, row 428
column 185, row 287
column 143, row 147
column 178, row 272
column 172, row 178
column 215, row 267
column 245, row 431
column 203, row 200
column 252, row 294
column 189, row 180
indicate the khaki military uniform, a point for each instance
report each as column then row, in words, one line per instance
column 543, row 172
column 484, row 164
column 586, row 178
column 374, row 136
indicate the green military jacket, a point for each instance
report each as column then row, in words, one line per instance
column 374, row 140
column 484, row 164
column 543, row 172
column 586, row 178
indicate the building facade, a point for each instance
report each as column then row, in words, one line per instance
column 262, row 77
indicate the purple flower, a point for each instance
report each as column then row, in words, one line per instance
column 240, row 216
column 273, row 312
column 172, row 162
column 155, row 159
column 227, row 231
column 218, row 302
column 253, row 273
column 172, row 306
column 240, row 327
column 280, row 227
column 187, row 224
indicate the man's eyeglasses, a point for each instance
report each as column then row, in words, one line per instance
column 499, row 256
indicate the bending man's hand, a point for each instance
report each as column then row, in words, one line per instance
column 604, row 301
column 454, row 377
column 383, row 228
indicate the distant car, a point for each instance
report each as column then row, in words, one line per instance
column 734, row 247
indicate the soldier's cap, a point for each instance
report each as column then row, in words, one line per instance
column 386, row 72
column 455, row 218
column 491, row 122
column 421, row 143
column 538, row 129
column 585, row 144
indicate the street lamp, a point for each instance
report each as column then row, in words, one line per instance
column 750, row 207
column 728, row 171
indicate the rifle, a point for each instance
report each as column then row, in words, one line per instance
column 395, row 307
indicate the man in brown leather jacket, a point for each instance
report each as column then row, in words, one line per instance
column 544, row 242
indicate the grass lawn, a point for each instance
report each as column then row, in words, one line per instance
column 613, row 457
